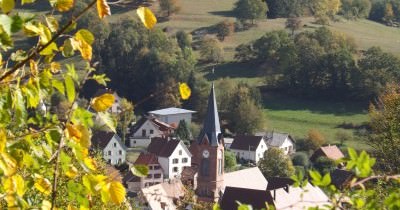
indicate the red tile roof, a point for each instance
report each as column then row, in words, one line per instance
column 146, row 159
column 162, row 147
column 246, row 142
column 331, row 152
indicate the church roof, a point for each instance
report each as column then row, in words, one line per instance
column 211, row 128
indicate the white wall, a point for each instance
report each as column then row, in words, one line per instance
column 114, row 147
column 175, row 118
column 150, row 179
column 148, row 126
column 139, row 142
column 252, row 155
column 164, row 162
column 262, row 147
column 184, row 154
column 286, row 146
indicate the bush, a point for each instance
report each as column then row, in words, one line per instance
column 314, row 140
column 324, row 165
column 224, row 29
column 300, row 159
column 211, row 50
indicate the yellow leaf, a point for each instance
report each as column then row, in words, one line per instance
column 185, row 91
column 3, row 139
column 103, row 102
column 7, row 164
column 33, row 67
column 7, row 5
column 117, row 192
column 52, row 23
column 70, row 207
column 55, row 67
column 72, row 171
column 46, row 205
column 103, row 9
column 64, row 5
column 85, row 35
column 49, row 49
column 74, row 133
column 42, row 184
column 90, row 163
column 147, row 17
column 85, row 49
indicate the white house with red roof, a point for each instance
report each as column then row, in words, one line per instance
column 249, row 147
column 109, row 143
column 145, row 129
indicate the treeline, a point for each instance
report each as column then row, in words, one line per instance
column 386, row 11
column 322, row 63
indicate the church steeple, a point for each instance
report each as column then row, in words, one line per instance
column 211, row 128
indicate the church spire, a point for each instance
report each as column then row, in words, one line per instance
column 211, row 128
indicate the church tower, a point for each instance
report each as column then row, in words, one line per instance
column 208, row 154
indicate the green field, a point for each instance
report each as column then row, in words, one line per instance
column 297, row 116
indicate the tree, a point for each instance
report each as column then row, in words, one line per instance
column 169, row 6
column 354, row 9
column 45, row 161
column 183, row 131
column 385, row 122
column 224, row 29
column 184, row 39
column 230, row 160
column 285, row 8
column 125, row 118
column 276, row 164
column 343, row 137
column 211, row 50
column 250, row 10
column 324, row 165
column 293, row 23
column 314, row 139
column 324, row 10
column 300, row 159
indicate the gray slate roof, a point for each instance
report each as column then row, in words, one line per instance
column 211, row 130
column 276, row 139
column 171, row 111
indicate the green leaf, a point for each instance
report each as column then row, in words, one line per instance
column 102, row 79
column 27, row 1
column 315, row 175
column 7, row 5
column 216, row 207
column 140, row 170
column 16, row 24
column 52, row 23
column 6, row 23
column 107, row 120
column 326, row 180
column 58, row 85
column 49, row 49
column 352, row 153
column 68, row 49
column 70, row 88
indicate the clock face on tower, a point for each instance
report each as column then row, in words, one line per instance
column 206, row 153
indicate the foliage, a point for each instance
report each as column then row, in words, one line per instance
column 343, row 137
column 189, row 198
column 183, row 131
column 324, row 165
column 169, row 7
column 276, row 164
column 230, row 160
column 285, row 8
column 124, row 118
column 324, row 10
column 354, row 9
column 211, row 50
column 184, row 39
column 128, row 50
column 200, row 90
column 385, row 121
column 300, row 159
column 44, row 156
column 224, row 29
column 250, row 10
column 314, row 140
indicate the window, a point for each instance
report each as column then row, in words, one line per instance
column 175, row 169
column 205, row 165
column 134, row 142
column 109, row 152
column 119, row 161
column 157, row 176
column 120, row 152
column 184, row 160
column 261, row 146
column 180, row 152
column 150, row 167
column 149, row 176
column 109, row 161
column 151, row 131
column 156, row 167
column 115, row 144
column 175, row 160
column 143, row 133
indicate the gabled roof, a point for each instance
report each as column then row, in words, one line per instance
column 211, row 130
column 258, row 199
column 277, row 139
column 165, row 194
column 331, row 151
column 171, row 111
column 146, row 159
column 278, row 182
column 162, row 126
column 162, row 147
column 246, row 142
column 341, row 177
column 129, row 177
column 100, row 139
column 250, row 178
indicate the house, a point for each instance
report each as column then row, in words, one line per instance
column 173, row 115
column 228, row 142
column 164, row 196
column 331, row 151
column 154, row 176
column 145, row 129
column 172, row 155
column 257, row 198
column 113, row 150
column 249, row 147
column 282, row 141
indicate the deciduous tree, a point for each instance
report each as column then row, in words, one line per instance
column 169, row 7
column 250, row 10
column 276, row 164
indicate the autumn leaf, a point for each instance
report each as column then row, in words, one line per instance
column 103, row 9
column 140, row 170
column 71, row 172
column 3, row 140
column 85, row 49
column 103, row 102
column 7, row 164
column 90, row 163
column 14, row 184
column 46, row 205
column 147, row 17
column 117, row 192
column 55, row 67
column 42, row 184
column 33, row 67
column 64, row 5
column 185, row 91
column 7, row 5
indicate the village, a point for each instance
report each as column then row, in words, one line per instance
column 176, row 168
